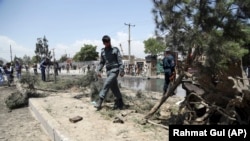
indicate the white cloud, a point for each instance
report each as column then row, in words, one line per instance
column 137, row 47
column 17, row 49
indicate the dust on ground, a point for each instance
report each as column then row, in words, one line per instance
column 106, row 124
column 95, row 125
column 18, row 124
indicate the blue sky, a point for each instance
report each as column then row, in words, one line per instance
column 69, row 24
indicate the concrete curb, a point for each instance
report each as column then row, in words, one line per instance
column 49, row 124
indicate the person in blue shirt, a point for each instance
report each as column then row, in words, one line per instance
column 1, row 74
column 168, row 63
column 43, row 66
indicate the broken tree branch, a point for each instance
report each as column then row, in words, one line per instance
column 165, row 96
column 151, row 122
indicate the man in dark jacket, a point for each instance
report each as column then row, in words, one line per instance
column 111, row 57
column 169, row 68
column 43, row 65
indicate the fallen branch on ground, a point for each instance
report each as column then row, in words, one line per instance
column 151, row 122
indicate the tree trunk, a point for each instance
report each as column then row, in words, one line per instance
column 183, row 72
column 165, row 96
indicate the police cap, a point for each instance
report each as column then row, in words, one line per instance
column 105, row 38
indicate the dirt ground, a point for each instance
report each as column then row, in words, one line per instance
column 104, row 125
column 18, row 124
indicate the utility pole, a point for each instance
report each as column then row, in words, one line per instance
column 129, row 25
column 55, row 69
column 10, row 54
column 121, row 49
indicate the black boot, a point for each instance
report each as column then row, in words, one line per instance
column 118, row 104
column 98, row 104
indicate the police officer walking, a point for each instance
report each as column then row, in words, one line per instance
column 169, row 68
column 111, row 57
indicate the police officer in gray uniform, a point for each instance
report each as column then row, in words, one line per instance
column 111, row 57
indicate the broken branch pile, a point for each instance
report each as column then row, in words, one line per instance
column 214, row 107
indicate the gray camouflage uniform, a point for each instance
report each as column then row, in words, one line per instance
column 112, row 58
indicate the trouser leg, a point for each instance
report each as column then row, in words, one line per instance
column 43, row 75
column 115, row 89
column 166, row 83
column 1, row 79
column 18, row 75
column 112, row 83
column 107, row 84
column 118, row 96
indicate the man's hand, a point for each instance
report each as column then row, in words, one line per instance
column 122, row 73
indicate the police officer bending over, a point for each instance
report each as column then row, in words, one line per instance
column 111, row 57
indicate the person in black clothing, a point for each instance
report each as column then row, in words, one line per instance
column 88, row 67
column 35, row 68
column 169, row 68
column 43, row 66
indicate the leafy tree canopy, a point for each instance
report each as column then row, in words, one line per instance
column 35, row 59
column 154, row 46
column 63, row 58
column 42, row 48
column 86, row 53
column 26, row 60
column 216, row 27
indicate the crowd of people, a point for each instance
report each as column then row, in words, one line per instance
column 7, row 72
